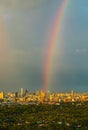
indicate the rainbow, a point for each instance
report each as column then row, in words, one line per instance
column 52, row 43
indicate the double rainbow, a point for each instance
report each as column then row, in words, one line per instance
column 52, row 43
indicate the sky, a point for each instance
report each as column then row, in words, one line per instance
column 25, row 30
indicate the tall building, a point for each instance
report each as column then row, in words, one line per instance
column 72, row 93
column 16, row 95
column 21, row 92
column 26, row 92
column 42, row 94
column 2, row 95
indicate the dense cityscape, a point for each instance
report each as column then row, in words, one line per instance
column 25, row 97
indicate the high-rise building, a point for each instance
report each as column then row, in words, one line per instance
column 72, row 93
column 26, row 92
column 2, row 95
column 16, row 95
column 21, row 92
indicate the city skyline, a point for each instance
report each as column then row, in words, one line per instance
column 25, row 30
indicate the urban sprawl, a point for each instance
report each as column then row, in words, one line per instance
column 24, row 97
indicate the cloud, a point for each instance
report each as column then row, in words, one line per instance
column 21, row 52
column 21, row 3
column 82, row 51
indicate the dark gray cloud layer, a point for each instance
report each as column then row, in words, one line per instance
column 28, row 25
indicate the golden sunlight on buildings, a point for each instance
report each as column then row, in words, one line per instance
column 2, row 95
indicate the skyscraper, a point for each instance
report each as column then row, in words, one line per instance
column 21, row 92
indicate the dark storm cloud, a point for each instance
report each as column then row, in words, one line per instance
column 29, row 24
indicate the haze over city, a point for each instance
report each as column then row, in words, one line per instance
column 25, row 30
